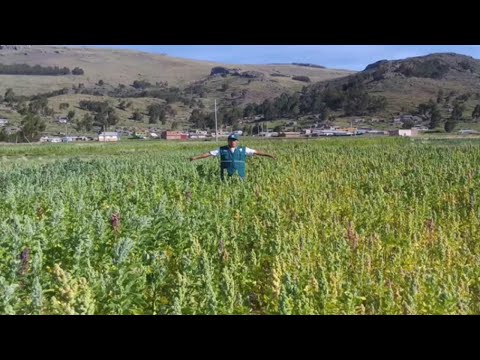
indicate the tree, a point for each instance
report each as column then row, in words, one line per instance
column 22, row 108
column 422, row 110
column 38, row 106
column 96, row 106
column 269, row 110
column 170, row 111
column 77, row 71
column 4, row 137
column 137, row 115
column 88, row 122
column 318, row 105
column 160, row 116
column 71, row 115
column 24, row 69
column 408, row 124
column 85, row 123
column 256, row 129
column 450, row 125
column 64, row 106
column 249, row 110
column 435, row 119
column 295, row 111
column 106, row 117
column 156, row 112
column 457, row 113
column 10, row 96
column 163, row 117
column 142, row 84
column 430, row 111
column 247, row 130
column 101, row 82
column 198, row 119
column 324, row 113
column 174, row 125
column 78, row 125
column 301, row 78
column 333, row 98
column 476, row 113
column 440, row 96
column 32, row 127
column 376, row 103
column 356, row 104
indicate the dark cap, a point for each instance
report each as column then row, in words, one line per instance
column 233, row 137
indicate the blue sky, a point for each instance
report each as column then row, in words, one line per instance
column 353, row 57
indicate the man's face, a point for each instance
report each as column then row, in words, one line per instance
column 232, row 143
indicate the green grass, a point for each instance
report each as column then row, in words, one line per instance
column 333, row 226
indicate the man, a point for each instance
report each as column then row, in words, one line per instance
column 232, row 157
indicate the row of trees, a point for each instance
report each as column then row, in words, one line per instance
column 352, row 98
column 155, row 112
column 25, row 69
column 142, row 89
column 10, row 97
column 226, row 116
column 158, row 113
column 430, row 112
column 104, row 115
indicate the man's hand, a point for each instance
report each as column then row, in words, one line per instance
column 203, row 156
column 261, row 153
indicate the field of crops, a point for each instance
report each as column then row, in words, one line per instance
column 333, row 226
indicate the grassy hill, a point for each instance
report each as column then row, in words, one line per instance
column 121, row 68
column 407, row 83
column 124, row 67
column 109, row 75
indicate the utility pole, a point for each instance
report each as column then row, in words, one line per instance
column 216, row 124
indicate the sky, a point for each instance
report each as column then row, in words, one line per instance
column 351, row 57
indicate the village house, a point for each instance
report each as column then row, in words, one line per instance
column 62, row 120
column 468, row 132
column 404, row 132
column 108, row 137
column 290, row 134
column 174, row 135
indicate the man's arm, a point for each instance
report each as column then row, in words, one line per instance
column 203, row 156
column 261, row 153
